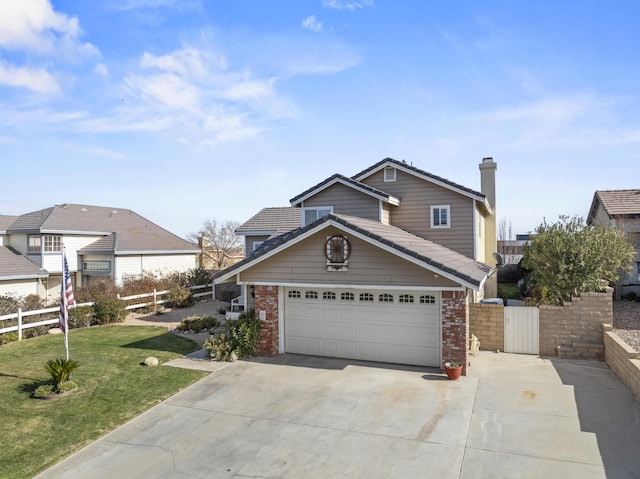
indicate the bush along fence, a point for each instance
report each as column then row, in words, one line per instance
column 44, row 318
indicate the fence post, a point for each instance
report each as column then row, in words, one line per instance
column 213, row 291
column 154, row 297
column 19, row 324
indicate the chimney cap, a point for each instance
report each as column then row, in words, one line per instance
column 487, row 159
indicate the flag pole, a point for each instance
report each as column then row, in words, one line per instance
column 66, row 298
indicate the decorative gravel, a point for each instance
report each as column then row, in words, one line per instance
column 626, row 322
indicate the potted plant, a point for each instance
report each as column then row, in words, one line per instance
column 453, row 369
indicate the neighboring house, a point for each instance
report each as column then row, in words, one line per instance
column 512, row 251
column 100, row 242
column 378, row 266
column 620, row 209
column 210, row 257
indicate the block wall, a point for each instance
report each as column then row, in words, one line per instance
column 486, row 321
column 622, row 359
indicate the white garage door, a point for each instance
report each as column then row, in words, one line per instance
column 373, row 325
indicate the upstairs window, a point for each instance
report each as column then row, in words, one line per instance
column 389, row 174
column 34, row 244
column 309, row 215
column 257, row 244
column 440, row 216
column 52, row 243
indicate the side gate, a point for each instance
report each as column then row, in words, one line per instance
column 521, row 330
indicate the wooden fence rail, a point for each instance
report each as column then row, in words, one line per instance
column 206, row 290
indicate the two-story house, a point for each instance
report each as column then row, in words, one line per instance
column 620, row 209
column 99, row 241
column 378, row 266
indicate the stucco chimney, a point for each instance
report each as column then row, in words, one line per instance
column 488, row 169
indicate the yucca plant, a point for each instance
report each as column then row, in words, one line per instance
column 61, row 369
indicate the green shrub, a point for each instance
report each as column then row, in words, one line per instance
column 80, row 317
column 245, row 332
column 8, row 338
column 198, row 277
column 631, row 296
column 43, row 390
column 61, row 369
column 180, row 296
column 107, row 309
column 65, row 386
column 198, row 324
column 219, row 346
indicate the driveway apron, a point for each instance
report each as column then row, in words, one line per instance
column 308, row 417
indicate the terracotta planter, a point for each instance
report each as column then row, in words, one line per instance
column 453, row 373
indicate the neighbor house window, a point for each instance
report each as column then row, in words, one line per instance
column 440, row 216
column 96, row 266
column 34, row 244
column 309, row 215
column 389, row 174
column 257, row 244
column 52, row 243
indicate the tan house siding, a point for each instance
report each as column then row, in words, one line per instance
column 346, row 201
column 386, row 214
column 368, row 265
column 414, row 213
column 249, row 240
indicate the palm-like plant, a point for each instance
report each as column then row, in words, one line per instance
column 61, row 369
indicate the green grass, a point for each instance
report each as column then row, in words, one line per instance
column 113, row 388
column 513, row 292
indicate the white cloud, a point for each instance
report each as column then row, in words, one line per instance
column 312, row 23
column 34, row 79
column 347, row 4
column 101, row 69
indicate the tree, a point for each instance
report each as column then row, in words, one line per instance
column 568, row 257
column 219, row 243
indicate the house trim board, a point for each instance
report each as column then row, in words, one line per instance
column 350, row 286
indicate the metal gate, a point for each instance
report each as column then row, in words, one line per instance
column 521, row 330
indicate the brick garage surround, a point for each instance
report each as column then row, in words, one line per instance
column 455, row 327
column 267, row 300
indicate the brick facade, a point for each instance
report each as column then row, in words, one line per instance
column 267, row 304
column 455, row 327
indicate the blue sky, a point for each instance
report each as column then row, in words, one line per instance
column 187, row 110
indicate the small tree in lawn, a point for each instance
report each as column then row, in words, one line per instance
column 219, row 243
column 568, row 257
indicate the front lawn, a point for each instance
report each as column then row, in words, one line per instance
column 113, row 388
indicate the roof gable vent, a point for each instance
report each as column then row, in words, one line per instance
column 389, row 174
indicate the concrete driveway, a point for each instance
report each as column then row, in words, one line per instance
column 305, row 417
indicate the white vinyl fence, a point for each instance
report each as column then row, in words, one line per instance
column 206, row 290
column 521, row 330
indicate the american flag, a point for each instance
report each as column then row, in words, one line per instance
column 66, row 295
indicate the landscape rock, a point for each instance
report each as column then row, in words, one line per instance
column 151, row 361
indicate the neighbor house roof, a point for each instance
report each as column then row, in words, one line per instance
column 270, row 221
column 17, row 266
column 134, row 233
column 428, row 254
column 616, row 203
column 350, row 183
column 6, row 221
column 403, row 166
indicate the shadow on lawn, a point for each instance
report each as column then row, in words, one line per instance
column 168, row 342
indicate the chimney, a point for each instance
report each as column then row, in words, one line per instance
column 488, row 169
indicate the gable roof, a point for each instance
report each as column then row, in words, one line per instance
column 438, row 180
column 431, row 256
column 17, row 266
column 6, row 221
column 616, row 203
column 135, row 233
column 348, row 182
column 269, row 221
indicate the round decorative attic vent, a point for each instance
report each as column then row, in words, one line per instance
column 338, row 249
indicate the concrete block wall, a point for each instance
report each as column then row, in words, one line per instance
column 622, row 359
column 455, row 327
column 267, row 309
column 574, row 330
column 486, row 321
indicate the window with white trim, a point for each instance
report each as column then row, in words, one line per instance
column 441, row 216
column 257, row 244
column 385, row 298
column 34, row 244
column 310, row 214
column 427, row 299
column 52, row 243
column 405, row 298
column 366, row 297
column 389, row 174
column 103, row 266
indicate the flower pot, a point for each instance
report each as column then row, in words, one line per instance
column 453, row 373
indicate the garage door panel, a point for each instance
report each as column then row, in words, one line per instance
column 375, row 331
